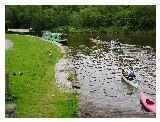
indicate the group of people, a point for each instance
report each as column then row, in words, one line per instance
column 115, row 44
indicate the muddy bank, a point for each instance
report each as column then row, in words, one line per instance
column 65, row 74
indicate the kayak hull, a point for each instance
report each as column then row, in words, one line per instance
column 143, row 98
column 133, row 83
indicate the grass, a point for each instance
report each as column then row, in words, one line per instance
column 30, row 64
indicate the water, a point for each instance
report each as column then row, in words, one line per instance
column 99, row 69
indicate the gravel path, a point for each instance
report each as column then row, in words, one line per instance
column 8, row 44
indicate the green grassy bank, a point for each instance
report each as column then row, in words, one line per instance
column 30, row 64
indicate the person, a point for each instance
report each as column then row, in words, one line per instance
column 131, row 74
column 113, row 44
column 118, row 44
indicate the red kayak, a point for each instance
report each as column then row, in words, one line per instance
column 148, row 103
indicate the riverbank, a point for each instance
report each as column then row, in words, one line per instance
column 30, row 64
column 65, row 74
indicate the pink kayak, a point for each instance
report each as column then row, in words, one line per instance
column 148, row 103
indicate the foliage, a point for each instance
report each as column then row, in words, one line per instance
column 80, row 18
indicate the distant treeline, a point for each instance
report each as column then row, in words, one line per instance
column 82, row 18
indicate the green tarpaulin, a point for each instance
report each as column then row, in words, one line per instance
column 58, row 37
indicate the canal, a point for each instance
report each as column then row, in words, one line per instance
column 99, row 70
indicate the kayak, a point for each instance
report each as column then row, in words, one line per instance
column 148, row 103
column 134, row 82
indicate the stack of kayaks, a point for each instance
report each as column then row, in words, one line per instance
column 147, row 102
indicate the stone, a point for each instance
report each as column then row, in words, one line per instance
column 76, row 85
column 10, row 110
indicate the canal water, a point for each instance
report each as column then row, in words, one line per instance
column 99, row 70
